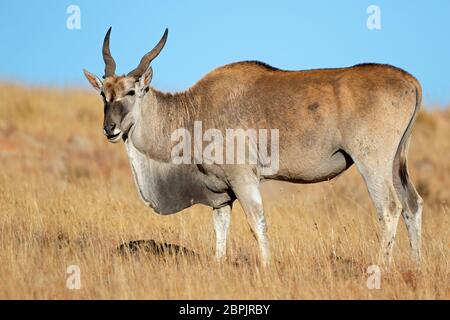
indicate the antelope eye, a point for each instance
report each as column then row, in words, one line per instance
column 131, row 93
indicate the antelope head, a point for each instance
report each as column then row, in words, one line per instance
column 121, row 94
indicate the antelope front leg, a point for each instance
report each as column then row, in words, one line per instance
column 251, row 201
column 221, row 217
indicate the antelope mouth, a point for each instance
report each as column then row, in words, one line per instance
column 115, row 138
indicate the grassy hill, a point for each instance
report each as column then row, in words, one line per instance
column 67, row 198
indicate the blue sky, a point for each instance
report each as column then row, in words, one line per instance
column 38, row 48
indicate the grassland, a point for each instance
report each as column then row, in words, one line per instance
column 67, row 198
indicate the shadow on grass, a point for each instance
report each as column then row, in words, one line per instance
column 154, row 248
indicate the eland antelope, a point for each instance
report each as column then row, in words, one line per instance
column 327, row 119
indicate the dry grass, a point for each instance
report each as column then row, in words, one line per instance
column 67, row 197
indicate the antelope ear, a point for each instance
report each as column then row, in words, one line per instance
column 93, row 80
column 145, row 79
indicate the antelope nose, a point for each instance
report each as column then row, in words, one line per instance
column 109, row 129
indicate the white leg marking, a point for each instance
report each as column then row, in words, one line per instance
column 413, row 222
column 251, row 201
column 221, row 219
